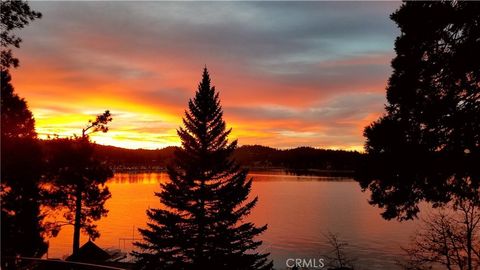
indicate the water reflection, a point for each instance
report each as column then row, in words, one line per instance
column 142, row 178
column 299, row 210
column 270, row 175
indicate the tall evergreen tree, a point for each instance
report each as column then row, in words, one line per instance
column 427, row 145
column 206, row 200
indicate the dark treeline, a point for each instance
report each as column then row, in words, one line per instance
column 251, row 156
column 118, row 157
column 300, row 158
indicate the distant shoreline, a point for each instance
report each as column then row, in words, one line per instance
column 299, row 172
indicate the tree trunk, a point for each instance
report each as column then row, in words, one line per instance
column 469, row 249
column 200, row 260
column 77, row 225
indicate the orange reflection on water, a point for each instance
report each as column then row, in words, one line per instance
column 299, row 211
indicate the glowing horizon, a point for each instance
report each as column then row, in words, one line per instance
column 314, row 78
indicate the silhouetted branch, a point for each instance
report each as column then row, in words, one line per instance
column 99, row 124
column 339, row 260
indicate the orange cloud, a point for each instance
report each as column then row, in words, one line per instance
column 280, row 84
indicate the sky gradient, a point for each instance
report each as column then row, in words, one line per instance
column 289, row 73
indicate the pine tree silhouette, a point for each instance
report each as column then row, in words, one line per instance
column 206, row 200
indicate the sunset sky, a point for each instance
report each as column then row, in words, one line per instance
column 289, row 73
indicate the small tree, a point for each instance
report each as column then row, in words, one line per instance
column 448, row 238
column 337, row 258
column 206, row 200
column 78, row 180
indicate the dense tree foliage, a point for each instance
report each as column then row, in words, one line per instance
column 22, row 231
column 17, row 119
column 427, row 145
column 15, row 15
column 206, row 200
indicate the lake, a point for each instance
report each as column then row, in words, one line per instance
column 299, row 211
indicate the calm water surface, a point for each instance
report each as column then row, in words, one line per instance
column 299, row 211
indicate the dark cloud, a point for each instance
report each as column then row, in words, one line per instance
column 245, row 34
column 343, row 107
